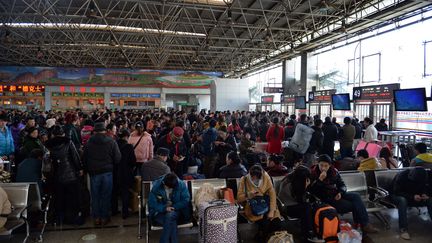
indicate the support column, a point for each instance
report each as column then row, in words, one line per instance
column 48, row 98
column 107, row 99
column 303, row 74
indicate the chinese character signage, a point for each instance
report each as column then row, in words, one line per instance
column 375, row 92
column 289, row 98
column 321, row 95
column 267, row 99
column 22, row 88
column 78, row 95
column 272, row 90
column 134, row 95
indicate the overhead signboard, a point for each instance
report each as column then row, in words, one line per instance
column 321, row 96
column 289, row 98
column 22, row 88
column 134, row 95
column 77, row 95
column 375, row 92
column 267, row 99
column 273, row 90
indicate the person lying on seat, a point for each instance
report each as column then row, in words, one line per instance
column 410, row 190
column 257, row 184
column 328, row 186
column 169, row 205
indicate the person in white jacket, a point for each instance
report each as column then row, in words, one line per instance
column 371, row 133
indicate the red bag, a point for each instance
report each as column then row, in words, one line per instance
column 227, row 194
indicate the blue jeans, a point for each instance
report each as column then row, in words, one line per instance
column 169, row 222
column 352, row 202
column 101, row 186
column 402, row 204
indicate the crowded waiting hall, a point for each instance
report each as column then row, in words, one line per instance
column 216, row 121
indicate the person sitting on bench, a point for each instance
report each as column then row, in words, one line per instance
column 169, row 205
column 410, row 190
column 366, row 162
column 328, row 186
column 423, row 158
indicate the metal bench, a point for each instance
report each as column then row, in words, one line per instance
column 356, row 182
column 18, row 197
column 38, row 203
column 384, row 179
column 143, row 201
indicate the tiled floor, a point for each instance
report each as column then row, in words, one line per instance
column 125, row 231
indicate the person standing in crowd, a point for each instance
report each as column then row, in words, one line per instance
column 330, row 131
column 174, row 142
column 275, row 166
column 30, row 123
column 263, row 129
column 258, row 183
column 100, row 154
column 209, row 137
column 111, row 131
column 65, row 176
column 329, row 187
column 156, row 167
column 366, row 162
column 125, row 170
column 15, row 130
column 315, row 143
column 87, row 131
column 233, row 167
column 371, row 133
column 381, row 126
column 71, row 130
column 358, row 132
column 410, row 190
column 423, row 158
column 251, row 128
column 7, row 147
column 142, row 144
column 234, row 127
column 289, row 130
column 30, row 169
column 168, row 204
column 347, row 138
column 31, row 141
column 275, row 136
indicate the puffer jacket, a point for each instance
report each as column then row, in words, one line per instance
column 100, row 154
column 369, row 164
column 144, row 150
column 302, row 136
column 65, row 159
column 327, row 189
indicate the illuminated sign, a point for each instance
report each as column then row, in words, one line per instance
column 321, row 95
column 267, row 99
column 289, row 98
column 272, row 90
column 375, row 92
column 134, row 95
column 22, row 88
column 78, row 95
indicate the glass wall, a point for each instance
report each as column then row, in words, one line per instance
column 269, row 77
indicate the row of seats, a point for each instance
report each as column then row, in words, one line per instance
column 25, row 198
column 372, row 186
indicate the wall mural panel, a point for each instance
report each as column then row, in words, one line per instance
column 18, row 75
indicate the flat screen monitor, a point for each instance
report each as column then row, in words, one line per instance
column 341, row 102
column 300, row 102
column 410, row 99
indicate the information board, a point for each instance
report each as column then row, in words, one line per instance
column 289, row 98
column 267, row 99
column 321, row 96
column 375, row 92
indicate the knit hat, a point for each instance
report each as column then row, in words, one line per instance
column 163, row 151
column 325, row 158
column 178, row 132
column 99, row 127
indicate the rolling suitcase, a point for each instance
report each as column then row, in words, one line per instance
column 217, row 222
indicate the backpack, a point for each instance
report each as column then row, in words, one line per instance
column 326, row 222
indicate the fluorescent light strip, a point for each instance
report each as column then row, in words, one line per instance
column 105, row 27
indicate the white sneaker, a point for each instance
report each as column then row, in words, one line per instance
column 405, row 235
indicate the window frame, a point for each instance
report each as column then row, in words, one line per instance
column 427, row 72
column 379, row 68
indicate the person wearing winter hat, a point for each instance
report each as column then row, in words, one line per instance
column 174, row 142
column 410, row 190
column 327, row 185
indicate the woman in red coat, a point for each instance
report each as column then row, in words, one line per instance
column 275, row 136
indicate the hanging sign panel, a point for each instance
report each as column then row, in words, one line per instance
column 375, row 92
column 321, row 96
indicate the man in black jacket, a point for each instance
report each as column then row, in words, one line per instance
column 410, row 190
column 100, row 154
column 330, row 131
column 315, row 143
column 174, row 142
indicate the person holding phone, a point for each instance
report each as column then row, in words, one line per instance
column 410, row 190
column 174, row 142
column 329, row 187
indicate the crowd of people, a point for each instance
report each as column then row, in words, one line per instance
column 58, row 149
